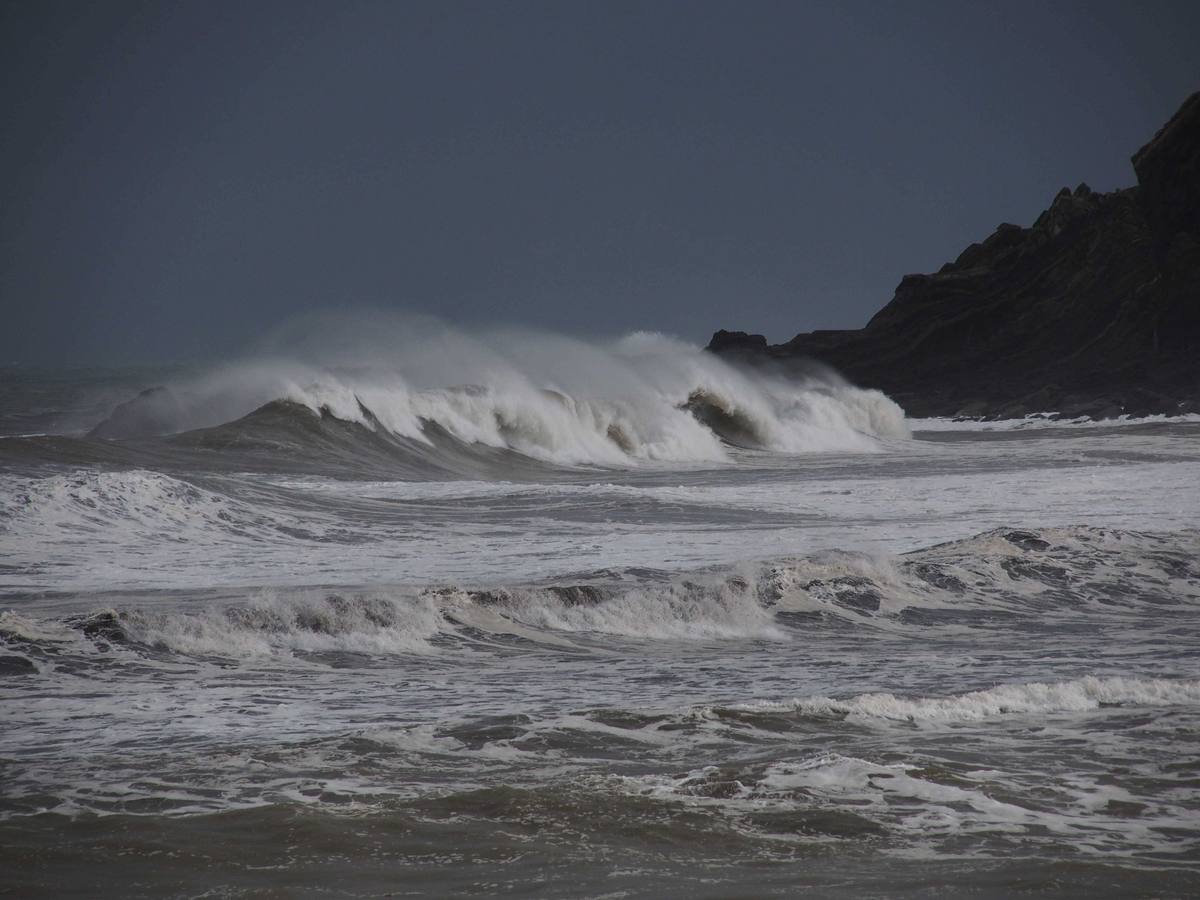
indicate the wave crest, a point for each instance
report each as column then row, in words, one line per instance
column 552, row 398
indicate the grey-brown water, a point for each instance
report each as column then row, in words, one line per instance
column 312, row 655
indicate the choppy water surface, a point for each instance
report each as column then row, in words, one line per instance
column 314, row 655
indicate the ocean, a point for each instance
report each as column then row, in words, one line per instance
column 570, row 621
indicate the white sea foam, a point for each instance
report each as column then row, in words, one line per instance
column 97, row 501
column 837, row 778
column 305, row 621
column 930, row 803
column 1079, row 695
column 23, row 628
column 677, row 610
column 1046, row 420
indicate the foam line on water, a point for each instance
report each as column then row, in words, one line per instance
column 1077, row 695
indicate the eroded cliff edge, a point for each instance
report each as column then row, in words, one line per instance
column 1093, row 310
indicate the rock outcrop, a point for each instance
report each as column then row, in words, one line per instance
column 1093, row 310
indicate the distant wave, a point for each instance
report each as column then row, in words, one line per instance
column 546, row 397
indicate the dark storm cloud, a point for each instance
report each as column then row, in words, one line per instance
column 178, row 177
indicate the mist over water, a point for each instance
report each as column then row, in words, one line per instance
column 503, row 612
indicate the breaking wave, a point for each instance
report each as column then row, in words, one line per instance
column 420, row 384
column 1018, row 581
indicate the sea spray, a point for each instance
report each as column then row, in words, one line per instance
column 550, row 397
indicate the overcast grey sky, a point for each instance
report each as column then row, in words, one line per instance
column 179, row 177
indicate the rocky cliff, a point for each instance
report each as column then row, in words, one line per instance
column 1094, row 309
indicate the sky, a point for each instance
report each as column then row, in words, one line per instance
column 177, row 178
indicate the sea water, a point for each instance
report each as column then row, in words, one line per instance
column 694, row 633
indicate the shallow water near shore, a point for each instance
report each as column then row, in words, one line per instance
column 963, row 661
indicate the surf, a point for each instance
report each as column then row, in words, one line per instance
column 421, row 384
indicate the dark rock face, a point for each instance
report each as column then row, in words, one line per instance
column 1168, row 172
column 1094, row 310
column 737, row 342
